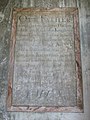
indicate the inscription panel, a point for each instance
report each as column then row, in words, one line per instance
column 45, row 60
column 44, row 68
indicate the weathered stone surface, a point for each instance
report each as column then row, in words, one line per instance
column 3, row 4
column 84, row 7
column 44, row 66
column 1, row 116
column 5, row 9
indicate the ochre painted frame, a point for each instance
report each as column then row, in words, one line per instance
column 79, row 107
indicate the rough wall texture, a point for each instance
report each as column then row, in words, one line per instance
column 5, row 28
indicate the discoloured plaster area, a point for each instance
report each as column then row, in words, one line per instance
column 5, row 30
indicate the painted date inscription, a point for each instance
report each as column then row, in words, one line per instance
column 44, row 66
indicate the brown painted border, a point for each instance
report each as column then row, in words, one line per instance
column 79, row 107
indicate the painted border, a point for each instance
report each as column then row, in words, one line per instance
column 79, row 108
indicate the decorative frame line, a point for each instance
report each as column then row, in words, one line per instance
column 79, row 107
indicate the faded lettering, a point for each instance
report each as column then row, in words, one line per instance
column 44, row 66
